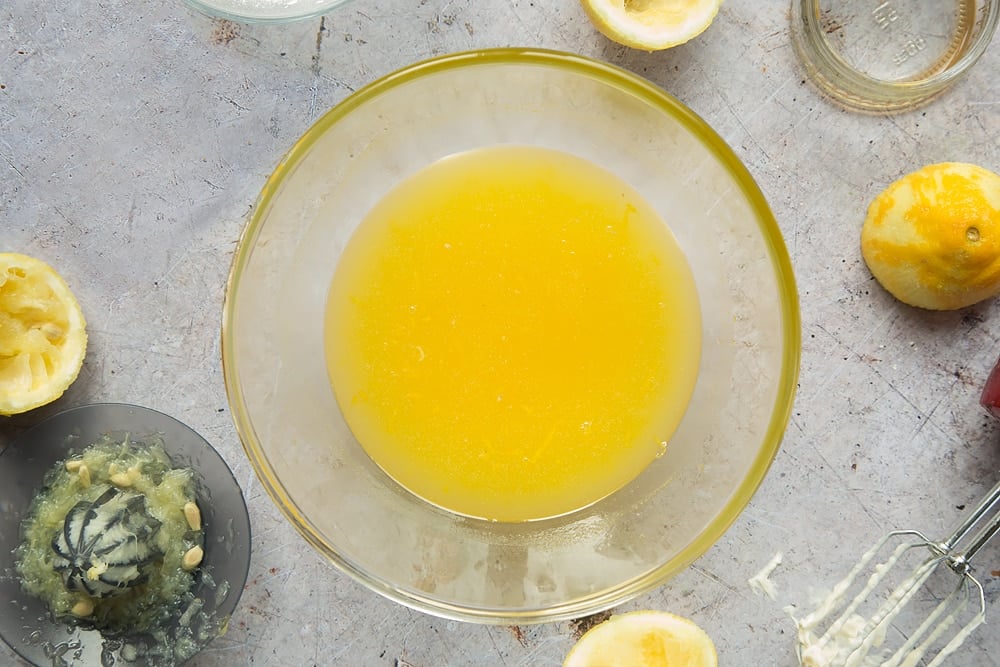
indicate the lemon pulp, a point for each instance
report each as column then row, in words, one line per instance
column 644, row 639
column 512, row 333
column 149, row 608
column 43, row 338
column 651, row 24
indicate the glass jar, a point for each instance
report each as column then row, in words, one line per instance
column 890, row 55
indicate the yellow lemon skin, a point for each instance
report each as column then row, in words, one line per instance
column 932, row 238
column 43, row 337
column 644, row 639
column 651, row 25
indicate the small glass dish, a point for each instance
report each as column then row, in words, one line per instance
column 265, row 11
column 26, row 624
column 891, row 55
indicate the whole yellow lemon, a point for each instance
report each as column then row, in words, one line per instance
column 932, row 238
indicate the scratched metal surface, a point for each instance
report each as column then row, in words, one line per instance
column 135, row 136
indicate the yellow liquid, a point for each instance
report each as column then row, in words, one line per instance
column 512, row 333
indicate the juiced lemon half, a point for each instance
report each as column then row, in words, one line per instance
column 932, row 238
column 644, row 639
column 43, row 336
column 651, row 24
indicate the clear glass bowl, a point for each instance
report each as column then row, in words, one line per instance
column 26, row 625
column 890, row 56
column 265, row 11
column 397, row 544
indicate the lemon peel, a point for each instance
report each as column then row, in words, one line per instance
column 43, row 337
column 644, row 639
column 932, row 238
column 651, row 25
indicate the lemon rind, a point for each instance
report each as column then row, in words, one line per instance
column 614, row 22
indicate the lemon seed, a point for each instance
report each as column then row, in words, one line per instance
column 192, row 558
column 121, row 479
column 84, row 607
column 193, row 515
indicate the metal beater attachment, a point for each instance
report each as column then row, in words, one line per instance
column 859, row 636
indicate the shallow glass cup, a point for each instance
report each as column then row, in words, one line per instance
column 265, row 11
column 421, row 555
column 890, row 55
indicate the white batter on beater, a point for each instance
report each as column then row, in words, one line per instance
column 761, row 582
column 845, row 644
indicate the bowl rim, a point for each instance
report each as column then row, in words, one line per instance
column 772, row 238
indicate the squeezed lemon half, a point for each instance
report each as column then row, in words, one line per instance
column 43, row 336
column 932, row 238
column 644, row 639
column 651, row 25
